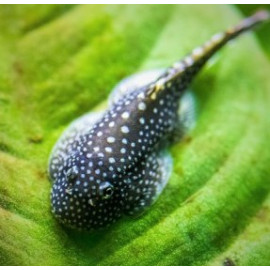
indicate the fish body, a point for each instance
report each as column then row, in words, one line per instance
column 115, row 163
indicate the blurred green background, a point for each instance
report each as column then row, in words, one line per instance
column 60, row 61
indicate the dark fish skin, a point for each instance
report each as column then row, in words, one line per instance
column 115, row 162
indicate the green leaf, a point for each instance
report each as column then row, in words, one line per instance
column 59, row 62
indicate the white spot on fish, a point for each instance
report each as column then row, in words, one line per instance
column 108, row 149
column 110, row 139
column 141, row 106
column 125, row 115
column 125, row 129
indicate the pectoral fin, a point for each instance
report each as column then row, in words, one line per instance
column 147, row 182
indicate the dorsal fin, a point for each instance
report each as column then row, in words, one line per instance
column 182, row 72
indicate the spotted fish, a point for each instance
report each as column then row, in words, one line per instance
column 114, row 163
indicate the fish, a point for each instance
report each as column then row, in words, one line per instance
column 116, row 162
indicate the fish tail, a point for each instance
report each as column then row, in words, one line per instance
column 182, row 72
column 199, row 56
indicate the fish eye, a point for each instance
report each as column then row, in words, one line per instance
column 72, row 173
column 106, row 190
